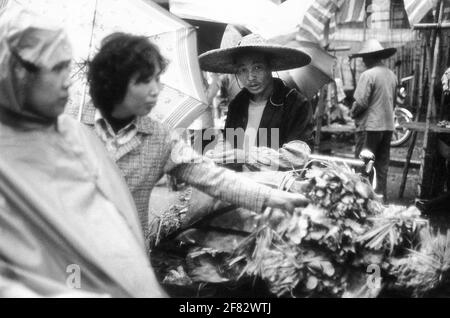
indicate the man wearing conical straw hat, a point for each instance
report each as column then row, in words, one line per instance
column 266, row 111
column 373, row 109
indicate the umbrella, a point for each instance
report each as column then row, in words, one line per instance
column 320, row 14
column 3, row 3
column 251, row 14
column 260, row 16
column 88, row 21
column 209, row 34
column 417, row 9
column 310, row 78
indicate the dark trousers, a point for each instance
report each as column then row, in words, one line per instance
column 378, row 142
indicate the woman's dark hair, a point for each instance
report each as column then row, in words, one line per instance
column 121, row 56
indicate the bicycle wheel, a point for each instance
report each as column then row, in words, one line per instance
column 401, row 134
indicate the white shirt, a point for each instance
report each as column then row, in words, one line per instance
column 255, row 111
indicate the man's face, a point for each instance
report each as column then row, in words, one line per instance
column 48, row 91
column 140, row 97
column 254, row 73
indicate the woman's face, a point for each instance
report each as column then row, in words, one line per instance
column 140, row 97
column 47, row 92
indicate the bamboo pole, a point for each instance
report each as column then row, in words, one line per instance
column 365, row 20
column 415, row 68
column 447, row 62
column 426, row 155
column 427, row 26
column 421, row 71
column 353, row 69
column 319, row 115
column 419, row 100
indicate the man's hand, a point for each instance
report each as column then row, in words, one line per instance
column 356, row 110
column 286, row 201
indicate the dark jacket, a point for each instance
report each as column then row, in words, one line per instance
column 287, row 109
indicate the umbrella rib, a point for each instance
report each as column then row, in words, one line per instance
column 83, row 97
column 82, row 65
column 93, row 27
column 173, row 31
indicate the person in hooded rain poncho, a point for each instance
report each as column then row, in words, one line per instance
column 68, row 224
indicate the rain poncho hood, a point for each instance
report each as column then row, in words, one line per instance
column 27, row 37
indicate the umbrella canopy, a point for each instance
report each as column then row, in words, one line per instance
column 315, row 24
column 417, row 9
column 88, row 21
column 309, row 79
column 323, row 15
column 251, row 14
column 3, row 3
column 209, row 34
column 288, row 16
column 260, row 16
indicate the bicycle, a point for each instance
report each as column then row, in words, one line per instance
column 402, row 115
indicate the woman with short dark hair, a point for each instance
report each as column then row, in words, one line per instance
column 121, row 57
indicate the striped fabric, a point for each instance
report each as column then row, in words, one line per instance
column 321, row 18
column 351, row 11
column 417, row 9
column 3, row 3
column 184, row 97
column 317, row 19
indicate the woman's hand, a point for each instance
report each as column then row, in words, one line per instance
column 228, row 156
column 286, row 201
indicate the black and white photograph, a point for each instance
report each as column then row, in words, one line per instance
column 247, row 151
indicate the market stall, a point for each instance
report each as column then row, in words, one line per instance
column 345, row 243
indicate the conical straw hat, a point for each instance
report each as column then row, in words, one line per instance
column 281, row 58
column 373, row 48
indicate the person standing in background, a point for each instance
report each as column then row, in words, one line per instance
column 373, row 108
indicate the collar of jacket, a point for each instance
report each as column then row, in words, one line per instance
column 278, row 97
column 144, row 124
column 378, row 63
